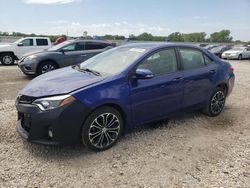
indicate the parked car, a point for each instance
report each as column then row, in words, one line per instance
column 64, row 54
column 237, row 53
column 96, row 101
column 210, row 46
column 220, row 49
column 14, row 51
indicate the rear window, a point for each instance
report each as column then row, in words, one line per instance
column 41, row 42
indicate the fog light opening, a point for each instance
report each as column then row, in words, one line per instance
column 50, row 133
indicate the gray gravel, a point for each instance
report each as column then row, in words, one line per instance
column 192, row 150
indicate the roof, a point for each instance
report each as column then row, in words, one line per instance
column 153, row 45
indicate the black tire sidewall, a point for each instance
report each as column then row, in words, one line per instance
column 7, row 54
column 85, row 128
column 240, row 57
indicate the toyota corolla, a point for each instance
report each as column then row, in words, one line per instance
column 98, row 100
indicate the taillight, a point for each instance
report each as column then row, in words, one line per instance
column 231, row 69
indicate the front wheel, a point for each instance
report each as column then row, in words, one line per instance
column 7, row 59
column 46, row 67
column 216, row 103
column 240, row 57
column 102, row 129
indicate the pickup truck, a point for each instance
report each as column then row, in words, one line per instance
column 14, row 51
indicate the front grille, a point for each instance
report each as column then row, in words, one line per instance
column 25, row 99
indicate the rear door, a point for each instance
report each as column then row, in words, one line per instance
column 199, row 72
column 42, row 44
column 155, row 98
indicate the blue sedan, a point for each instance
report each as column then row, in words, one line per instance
column 98, row 100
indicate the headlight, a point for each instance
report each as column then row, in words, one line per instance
column 30, row 57
column 50, row 103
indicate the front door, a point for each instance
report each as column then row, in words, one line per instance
column 155, row 98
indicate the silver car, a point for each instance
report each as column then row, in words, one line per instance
column 237, row 53
column 68, row 53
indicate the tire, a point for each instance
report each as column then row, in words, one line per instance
column 97, row 134
column 46, row 67
column 7, row 59
column 216, row 103
column 240, row 57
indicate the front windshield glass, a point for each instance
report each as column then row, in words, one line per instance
column 113, row 61
column 58, row 46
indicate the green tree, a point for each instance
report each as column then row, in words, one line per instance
column 175, row 37
column 145, row 37
column 221, row 36
column 195, row 37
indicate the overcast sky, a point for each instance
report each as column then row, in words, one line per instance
column 125, row 17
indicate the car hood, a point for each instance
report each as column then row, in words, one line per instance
column 61, row 81
column 37, row 52
column 2, row 46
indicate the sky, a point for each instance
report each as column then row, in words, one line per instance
column 125, row 17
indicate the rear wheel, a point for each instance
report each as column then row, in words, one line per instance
column 240, row 57
column 102, row 129
column 46, row 67
column 216, row 102
column 7, row 59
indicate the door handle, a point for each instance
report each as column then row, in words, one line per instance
column 177, row 79
column 212, row 71
column 84, row 55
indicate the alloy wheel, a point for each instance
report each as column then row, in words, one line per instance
column 217, row 102
column 104, row 130
column 47, row 68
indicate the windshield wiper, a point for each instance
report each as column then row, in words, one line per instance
column 92, row 71
column 86, row 70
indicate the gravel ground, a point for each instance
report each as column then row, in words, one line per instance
column 192, row 150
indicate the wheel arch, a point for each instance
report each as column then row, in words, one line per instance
column 115, row 106
column 8, row 52
column 224, row 86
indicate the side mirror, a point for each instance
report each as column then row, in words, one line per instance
column 20, row 44
column 143, row 74
column 63, row 51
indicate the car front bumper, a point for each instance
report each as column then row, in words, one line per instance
column 64, row 123
column 230, row 56
column 28, row 67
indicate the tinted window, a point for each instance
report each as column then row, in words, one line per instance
column 80, row 46
column 95, row 45
column 41, row 42
column 192, row 59
column 27, row 42
column 161, row 62
column 207, row 60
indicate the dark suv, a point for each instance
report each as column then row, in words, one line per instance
column 67, row 53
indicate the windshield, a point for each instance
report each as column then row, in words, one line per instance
column 113, row 61
column 58, row 46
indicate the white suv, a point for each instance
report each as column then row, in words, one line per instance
column 14, row 51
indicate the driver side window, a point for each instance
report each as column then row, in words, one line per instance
column 70, row 47
column 27, row 42
column 161, row 62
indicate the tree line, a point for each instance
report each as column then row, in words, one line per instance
column 223, row 36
